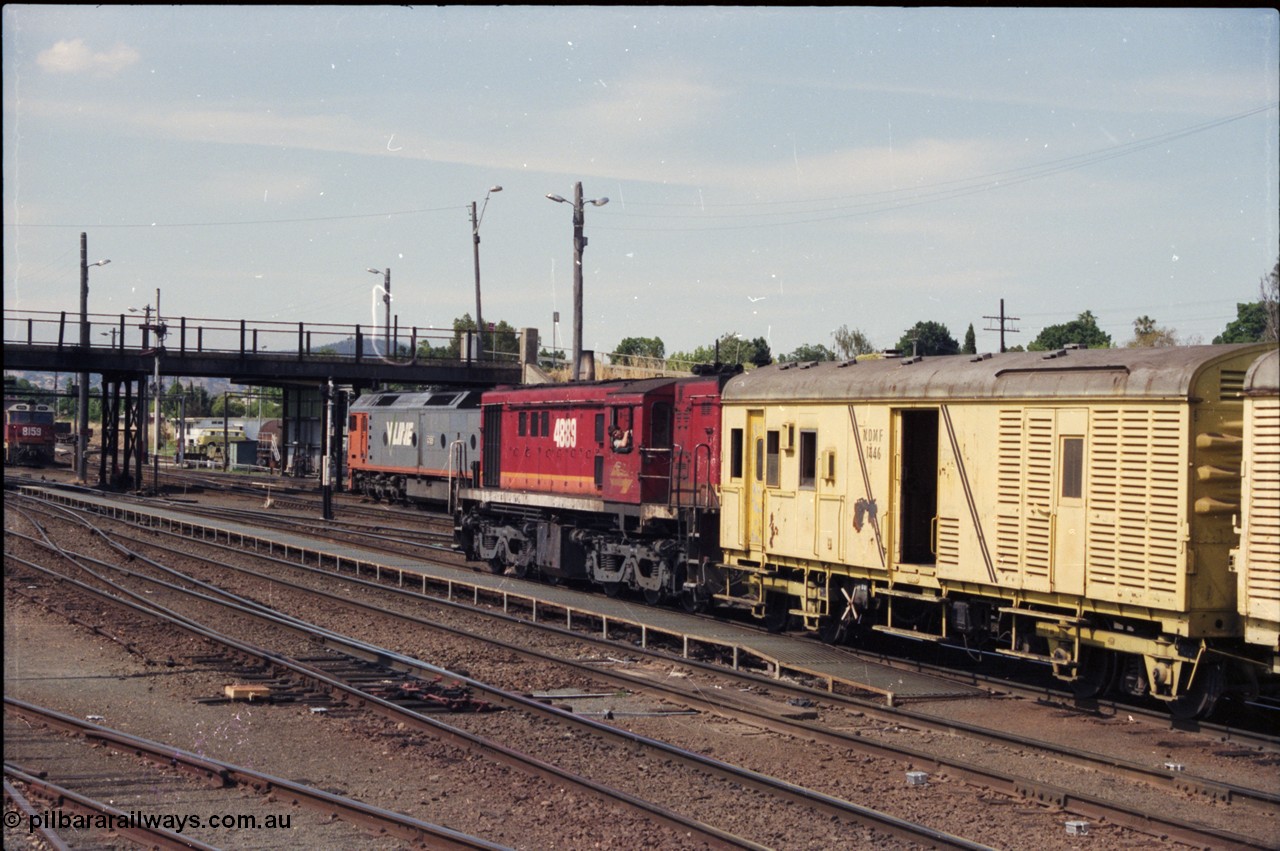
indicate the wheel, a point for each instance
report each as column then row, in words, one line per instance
column 497, row 565
column 653, row 596
column 688, row 599
column 775, row 612
column 1203, row 695
column 1097, row 670
column 1131, row 676
column 691, row 604
column 611, row 589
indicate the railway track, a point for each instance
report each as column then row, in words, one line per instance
column 656, row 753
column 96, row 760
column 1017, row 786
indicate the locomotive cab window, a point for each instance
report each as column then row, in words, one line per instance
column 520, row 424
column 1072, row 467
column 808, row 459
column 660, row 426
column 620, row 431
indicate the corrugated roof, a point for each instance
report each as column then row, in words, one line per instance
column 1263, row 378
column 1078, row 373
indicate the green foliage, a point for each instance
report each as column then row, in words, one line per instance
column 970, row 346
column 930, row 338
column 851, row 342
column 733, row 348
column 230, row 403
column 500, row 340
column 1147, row 335
column 809, row 352
column 639, row 347
column 1083, row 330
column 1249, row 326
column 552, row 360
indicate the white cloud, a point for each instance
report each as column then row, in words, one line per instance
column 74, row 57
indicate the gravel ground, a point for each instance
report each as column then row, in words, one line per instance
column 48, row 663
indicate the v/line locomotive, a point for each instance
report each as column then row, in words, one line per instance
column 1079, row 508
column 29, row 433
column 409, row 447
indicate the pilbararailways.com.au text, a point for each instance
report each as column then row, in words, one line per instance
column 63, row 820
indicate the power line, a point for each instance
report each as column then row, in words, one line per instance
column 875, row 202
column 1003, row 325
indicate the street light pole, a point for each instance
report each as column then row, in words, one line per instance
column 579, row 243
column 386, row 299
column 82, row 395
column 475, row 244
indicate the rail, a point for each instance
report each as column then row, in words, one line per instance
column 203, row 335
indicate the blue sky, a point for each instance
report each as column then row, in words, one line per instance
column 772, row 172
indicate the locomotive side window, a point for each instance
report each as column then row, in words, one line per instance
column 660, row 426
column 773, row 467
column 759, row 459
column 546, row 419
column 808, row 459
column 520, row 424
column 1072, row 467
column 735, row 453
column 599, row 428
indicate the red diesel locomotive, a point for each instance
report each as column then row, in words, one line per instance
column 615, row 483
column 28, row 433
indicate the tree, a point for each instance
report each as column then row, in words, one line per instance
column 499, row 338
column 1258, row 321
column 970, row 346
column 851, row 342
column 640, row 347
column 198, row 402
column 1269, row 289
column 552, row 360
column 228, row 402
column 1147, row 335
column 732, row 348
column 928, row 338
column 1249, row 326
column 809, row 352
column 1083, row 330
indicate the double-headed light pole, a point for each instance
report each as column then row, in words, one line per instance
column 386, row 299
column 579, row 243
column 475, row 244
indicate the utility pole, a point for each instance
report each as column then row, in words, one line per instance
column 326, row 470
column 386, row 300
column 82, row 395
column 579, row 243
column 475, row 245
column 1003, row 320
column 160, row 329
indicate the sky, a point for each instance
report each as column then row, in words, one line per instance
column 771, row 172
